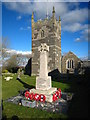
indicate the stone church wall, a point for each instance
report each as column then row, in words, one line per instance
column 76, row 63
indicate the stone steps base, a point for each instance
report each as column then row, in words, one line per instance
column 48, row 93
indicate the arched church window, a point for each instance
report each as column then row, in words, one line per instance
column 42, row 33
column 72, row 63
column 69, row 64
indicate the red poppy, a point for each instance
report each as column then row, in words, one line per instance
column 27, row 95
column 42, row 98
column 36, row 97
column 54, row 97
column 31, row 96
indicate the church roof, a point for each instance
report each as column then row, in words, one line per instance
column 69, row 54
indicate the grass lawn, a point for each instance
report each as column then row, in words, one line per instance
column 12, row 87
column 78, row 107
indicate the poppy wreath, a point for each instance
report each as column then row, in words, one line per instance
column 42, row 98
column 59, row 90
column 57, row 93
column 55, row 97
column 31, row 96
column 60, row 94
column 36, row 97
column 27, row 95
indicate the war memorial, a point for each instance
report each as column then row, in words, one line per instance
column 40, row 94
column 44, row 96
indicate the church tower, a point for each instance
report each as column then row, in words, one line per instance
column 46, row 31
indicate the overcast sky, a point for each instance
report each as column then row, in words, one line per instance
column 16, row 23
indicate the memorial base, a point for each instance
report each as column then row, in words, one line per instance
column 48, row 93
column 43, row 83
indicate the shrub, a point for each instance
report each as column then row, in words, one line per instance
column 5, row 71
column 13, row 69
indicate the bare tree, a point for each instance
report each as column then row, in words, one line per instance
column 5, row 45
column 11, row 62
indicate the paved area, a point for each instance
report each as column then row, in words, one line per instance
column 59, row 106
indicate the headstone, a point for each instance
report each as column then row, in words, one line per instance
column 8, row 78
column 19, row 73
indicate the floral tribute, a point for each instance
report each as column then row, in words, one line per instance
column 57, row 95
column 40, row 97
column 37, row 97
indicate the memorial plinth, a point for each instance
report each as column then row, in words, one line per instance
column 43, row 81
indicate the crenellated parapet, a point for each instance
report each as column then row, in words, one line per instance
column 52, row 23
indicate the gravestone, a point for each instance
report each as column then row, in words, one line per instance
column 43, row 81
column 19, row 73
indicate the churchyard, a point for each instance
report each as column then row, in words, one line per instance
column 77, row 108
column 12, row 88
column 43, row 96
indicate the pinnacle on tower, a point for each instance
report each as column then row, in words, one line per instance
column 53, row 12
column 32, row 16
column 47, row 14
column 59, row 19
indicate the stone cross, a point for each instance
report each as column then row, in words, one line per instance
column 43, row 60
column 43, row 81
column 43, row 48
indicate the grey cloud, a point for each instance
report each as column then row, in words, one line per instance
column 71, row 20
column 12, row 52
column 85, row 35
column 77, row 15
column 39, row 8
column 74, row 27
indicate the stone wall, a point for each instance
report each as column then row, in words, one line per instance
column 70, row 56
column 52, row 37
